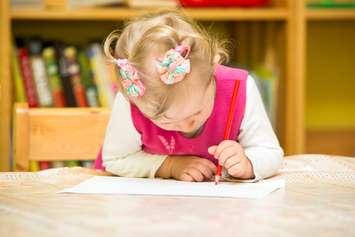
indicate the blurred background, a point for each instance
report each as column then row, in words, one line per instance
column 301, row 53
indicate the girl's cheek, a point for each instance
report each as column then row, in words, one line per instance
column 168, row 127
column 202, row 118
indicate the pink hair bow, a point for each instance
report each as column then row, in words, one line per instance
column 174, row 66
column 130, row 78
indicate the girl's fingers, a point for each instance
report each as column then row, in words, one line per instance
column 210, row 165
column 186, row 177
column 236, row 170
column 212, row 149
column 230, row 162
column 205, row 170
column 223, row 145
column 195, row 174
column 226, row 154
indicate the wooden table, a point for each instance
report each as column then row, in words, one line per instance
column 319, row 200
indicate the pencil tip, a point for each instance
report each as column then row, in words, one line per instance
column 216, row 179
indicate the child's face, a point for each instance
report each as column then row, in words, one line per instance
column 190, row 113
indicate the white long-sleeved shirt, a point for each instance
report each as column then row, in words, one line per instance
column 123, row 154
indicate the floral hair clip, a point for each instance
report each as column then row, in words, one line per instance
column 130, row 78
column 174, row 65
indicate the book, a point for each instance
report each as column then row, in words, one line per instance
column 113, row 77
column 50, row 60
column 93, row 53
column 153, row 3
column 92, row 3
column 87, row 79
column 57, row 164
column 331, row 3
column 267, row 74
column 98, row 64
column 33, row 4
column 87, row 163
column 26, row 73
column 73, row 70
column 64, row 75
column 39, row 73
column 17, row 78
column 43, row 165
column 266, row 82
column 71, row 163
column 33, row 166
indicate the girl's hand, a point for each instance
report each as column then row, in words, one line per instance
column 230, row 155
column 187, row 168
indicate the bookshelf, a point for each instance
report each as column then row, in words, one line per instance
column 34, row 126
column 103, row 14
column 290, row 17
column 329, row 122
column 330, row 14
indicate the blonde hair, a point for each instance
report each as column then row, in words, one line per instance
column 149, row 37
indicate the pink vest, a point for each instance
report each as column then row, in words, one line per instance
column 159, row 141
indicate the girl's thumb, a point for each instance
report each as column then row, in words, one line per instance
column 212, row 149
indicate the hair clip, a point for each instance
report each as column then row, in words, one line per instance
column 130, row 78
column 174, row 66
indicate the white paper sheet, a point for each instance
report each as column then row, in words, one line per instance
column 137, row 186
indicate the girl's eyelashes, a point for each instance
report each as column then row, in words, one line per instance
column 191, row 116
column 197, row 113
column 172, row 122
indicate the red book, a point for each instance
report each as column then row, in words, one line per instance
column 43, row 165
column 224, row 3
column 26, row 70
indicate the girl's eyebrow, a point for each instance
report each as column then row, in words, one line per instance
column 199, row 111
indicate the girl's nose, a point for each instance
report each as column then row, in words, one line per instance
column 188, row 125
column 191, row 123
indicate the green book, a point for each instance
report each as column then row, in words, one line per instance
column 331, row 4
column 87, row 79
column 71, row 163
column 49, row 57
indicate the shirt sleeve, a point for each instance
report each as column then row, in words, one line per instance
column 257, row 137
column 122, row 153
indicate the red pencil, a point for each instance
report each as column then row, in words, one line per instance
column 227, row 129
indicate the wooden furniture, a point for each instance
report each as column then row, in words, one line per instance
column 318, row 201
column 53, row 24
column 329, row 84
column 289, row 17
column 57, row 134
column 5, row 86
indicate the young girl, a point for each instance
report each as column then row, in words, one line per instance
column 168, row 120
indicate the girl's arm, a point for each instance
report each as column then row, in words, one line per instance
column 122, row 154
column 257, row 136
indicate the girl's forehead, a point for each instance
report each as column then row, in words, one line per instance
column 187, row 100
column 183, row 109
column 185, row 105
